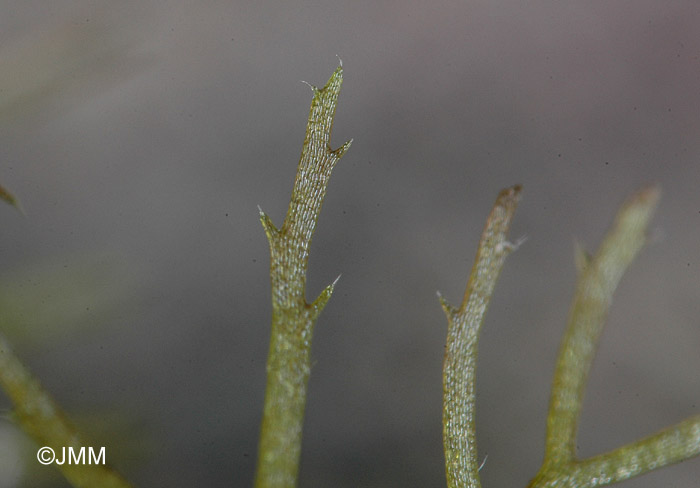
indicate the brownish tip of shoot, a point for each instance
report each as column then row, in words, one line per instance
column 649, row 195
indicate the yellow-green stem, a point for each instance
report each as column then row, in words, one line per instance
column 293, row 319
column 42, row 419
column 464, row 325
column 598, row 278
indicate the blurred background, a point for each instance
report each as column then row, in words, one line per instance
column 140, row 136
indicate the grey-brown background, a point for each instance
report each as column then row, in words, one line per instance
column 140, row 137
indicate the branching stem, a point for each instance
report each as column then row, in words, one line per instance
column 598, row 278
column 293, row 319
column 464, row 325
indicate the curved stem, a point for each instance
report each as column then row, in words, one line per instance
column 464, row 325
column 598, row 279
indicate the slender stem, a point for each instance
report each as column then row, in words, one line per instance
column 464, row 324
column 671, row 445
column 42, row 419
column 598, row 279
column 288, row 364
column 597, row 282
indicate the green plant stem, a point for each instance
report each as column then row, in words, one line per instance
column 464, row 325
column 41, row 418
column 293, row 319
column 671, row 445
column 598, row 278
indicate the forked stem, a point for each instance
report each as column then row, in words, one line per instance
column 598, row 278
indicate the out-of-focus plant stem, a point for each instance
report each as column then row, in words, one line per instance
column 598, row 278
column 41, row 418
